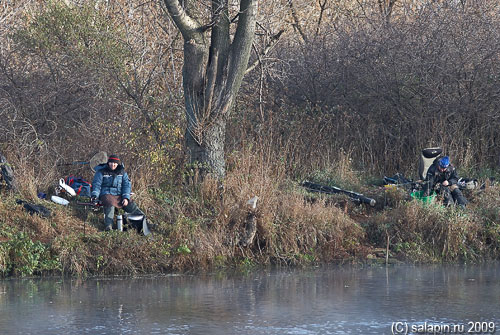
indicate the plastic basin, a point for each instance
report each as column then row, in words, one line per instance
column 419, row 195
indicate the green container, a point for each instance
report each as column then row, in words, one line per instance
column 419, row 195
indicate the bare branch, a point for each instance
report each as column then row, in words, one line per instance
column 270, row 45
column 187, row 26
column 296, row 25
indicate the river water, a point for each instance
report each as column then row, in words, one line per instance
column 333, row 300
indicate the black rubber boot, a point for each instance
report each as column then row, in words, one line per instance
column 133, row 209
column 459, row 198
column 447, row 197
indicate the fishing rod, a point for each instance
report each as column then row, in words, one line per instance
column 357, row 197
column 95, row 206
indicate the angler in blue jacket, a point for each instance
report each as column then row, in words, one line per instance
column 111, row 185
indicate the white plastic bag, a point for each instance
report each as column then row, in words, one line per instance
column 67, row 188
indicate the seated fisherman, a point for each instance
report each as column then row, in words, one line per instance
column 442, row 172
column 112, row 187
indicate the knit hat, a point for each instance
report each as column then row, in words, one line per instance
column 114, row 159
column 444, row 162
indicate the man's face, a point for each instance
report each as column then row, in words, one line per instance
column 112, row 165
column 441, row 169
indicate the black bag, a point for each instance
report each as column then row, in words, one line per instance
column 35, row 209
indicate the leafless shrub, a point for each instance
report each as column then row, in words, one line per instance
column 386, row 90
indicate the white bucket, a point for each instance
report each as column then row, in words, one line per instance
column 59, row 200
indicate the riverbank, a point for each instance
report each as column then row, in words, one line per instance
column 201, row 228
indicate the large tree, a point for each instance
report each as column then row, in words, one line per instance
column 216, row 56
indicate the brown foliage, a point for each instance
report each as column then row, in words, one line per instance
column 385, row 91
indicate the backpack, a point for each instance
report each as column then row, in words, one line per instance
column 428, row 157
column 80, row 185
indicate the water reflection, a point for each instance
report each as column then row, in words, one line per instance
column 341, row 300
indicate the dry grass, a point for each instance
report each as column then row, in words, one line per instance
column 34, row 171
column 112, row 254
column 290, row 230
column 431, row 233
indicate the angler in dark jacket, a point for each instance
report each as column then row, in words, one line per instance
column 111, row 185
column 442, row 172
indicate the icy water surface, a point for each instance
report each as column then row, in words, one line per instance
column 334, row 300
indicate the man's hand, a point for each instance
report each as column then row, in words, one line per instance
column 124, row 202
column 445, row 183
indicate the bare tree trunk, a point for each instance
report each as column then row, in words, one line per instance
column 210, row 153
column 212, row 74
column 7, row 174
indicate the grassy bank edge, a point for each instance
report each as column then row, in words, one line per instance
column 203, row 231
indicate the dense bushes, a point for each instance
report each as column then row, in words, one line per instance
column 385, row 91
column 378, row 89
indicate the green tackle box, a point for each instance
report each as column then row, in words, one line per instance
column 419, row 195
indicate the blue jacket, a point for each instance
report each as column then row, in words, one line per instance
column 115, row 182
